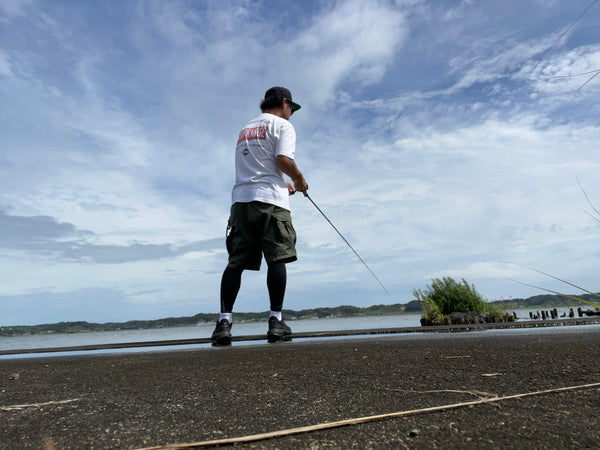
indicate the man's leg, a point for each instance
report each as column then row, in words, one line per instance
column 276, row 281
column 230, row 286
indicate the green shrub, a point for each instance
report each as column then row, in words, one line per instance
column 432, row 313
column 447, row 296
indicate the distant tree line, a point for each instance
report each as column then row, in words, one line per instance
column 412, row 307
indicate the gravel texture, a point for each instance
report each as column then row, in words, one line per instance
column 149, row 399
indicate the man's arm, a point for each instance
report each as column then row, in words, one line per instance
column 288, row 166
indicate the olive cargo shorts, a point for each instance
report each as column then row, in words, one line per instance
column 258, row 228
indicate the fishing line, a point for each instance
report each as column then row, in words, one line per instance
column 556, row 278
column 560, row 37
column 573, row 76
column 589, row 79
column 347, row 243
column 555, row 292
column 588, row 199
column 595, row 72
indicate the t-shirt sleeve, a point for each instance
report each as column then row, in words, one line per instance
column 286, row 144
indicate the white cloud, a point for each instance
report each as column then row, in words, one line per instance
column 483, row 270
column 568, row 71
column 175, row 22
column 419, row 135
column 5, row 66
column 353, row 41
column 14, row 8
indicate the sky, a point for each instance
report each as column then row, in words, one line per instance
column 441, row 138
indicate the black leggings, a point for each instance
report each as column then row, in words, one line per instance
column 232, row 280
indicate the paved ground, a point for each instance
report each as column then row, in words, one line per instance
column 150, row 399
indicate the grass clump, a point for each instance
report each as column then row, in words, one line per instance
column 446, row 296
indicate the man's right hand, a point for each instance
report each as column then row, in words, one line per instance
column 300, row 185
column 288, row 166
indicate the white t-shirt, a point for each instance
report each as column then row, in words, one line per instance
column 257, row 175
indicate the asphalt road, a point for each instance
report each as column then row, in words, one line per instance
column 141, row 400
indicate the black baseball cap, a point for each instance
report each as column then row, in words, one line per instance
column 281, row 93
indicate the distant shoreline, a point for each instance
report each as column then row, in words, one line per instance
column 539, row 302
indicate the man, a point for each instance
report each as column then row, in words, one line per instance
column 260, row 222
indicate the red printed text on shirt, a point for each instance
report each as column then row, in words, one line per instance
column 250, row 134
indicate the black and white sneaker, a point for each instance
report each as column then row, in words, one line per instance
column 222, row 334
column 278, row 330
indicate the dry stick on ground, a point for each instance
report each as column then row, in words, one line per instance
column 36, row 405
column 341, row 423
column 479, row 394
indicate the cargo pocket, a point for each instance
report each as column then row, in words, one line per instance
column 287, row 233
column 292, row 231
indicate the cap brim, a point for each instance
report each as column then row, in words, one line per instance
column 295, row 106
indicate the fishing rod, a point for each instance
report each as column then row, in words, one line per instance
column 347, row 243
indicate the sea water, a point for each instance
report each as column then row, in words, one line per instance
column 50, row 340
column 203, row 331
